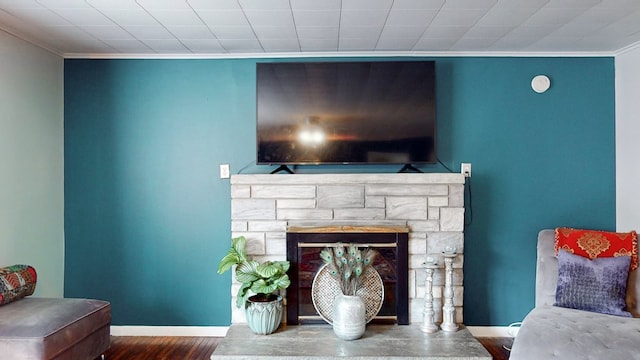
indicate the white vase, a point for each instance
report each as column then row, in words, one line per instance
column 349, row 317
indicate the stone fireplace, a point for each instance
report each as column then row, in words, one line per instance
column 429, row 206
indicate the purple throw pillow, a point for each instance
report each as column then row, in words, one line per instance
column 598, row 285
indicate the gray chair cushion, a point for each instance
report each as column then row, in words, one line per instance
column 550, row 332
column 40, row 328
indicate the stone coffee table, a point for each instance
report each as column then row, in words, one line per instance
column 318, row 342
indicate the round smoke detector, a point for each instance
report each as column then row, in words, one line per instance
column 540, row 83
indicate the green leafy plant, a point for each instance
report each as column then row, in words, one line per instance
column 262, row 279
column 348, row 265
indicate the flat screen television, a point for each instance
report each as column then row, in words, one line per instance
column 368, row 112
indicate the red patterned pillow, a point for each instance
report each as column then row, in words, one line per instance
column 16, row 282
column 594, row 244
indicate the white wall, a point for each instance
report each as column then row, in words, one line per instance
column 628, row 140
column 31, row 161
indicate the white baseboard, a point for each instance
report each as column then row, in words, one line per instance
column 221, row 331
column 494, row 331
column 214, row 331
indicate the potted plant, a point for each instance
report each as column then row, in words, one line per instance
column 259, row 283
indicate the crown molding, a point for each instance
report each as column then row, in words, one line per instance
column 628, row 48
column 404, row 54
column 10, row 31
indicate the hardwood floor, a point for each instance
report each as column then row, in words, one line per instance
column 161, row 348
column 200, row 348
column 499, row 348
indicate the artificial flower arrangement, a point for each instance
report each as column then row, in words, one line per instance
column 348, row 265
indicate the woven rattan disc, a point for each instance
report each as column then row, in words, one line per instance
column 325, row 288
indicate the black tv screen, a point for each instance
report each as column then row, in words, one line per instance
column 381, row 112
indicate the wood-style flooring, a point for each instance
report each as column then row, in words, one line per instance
column 200, row 348
column 161, row 348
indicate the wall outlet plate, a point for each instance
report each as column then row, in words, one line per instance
column 465, row 169
column 224, row 171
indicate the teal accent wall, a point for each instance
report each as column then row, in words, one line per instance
column 147, row 217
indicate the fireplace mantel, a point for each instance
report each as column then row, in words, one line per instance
column 347, row 229
column 429, row 206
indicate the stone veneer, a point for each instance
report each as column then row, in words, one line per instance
column 431, row 205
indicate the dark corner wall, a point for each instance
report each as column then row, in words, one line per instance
column 147, row 217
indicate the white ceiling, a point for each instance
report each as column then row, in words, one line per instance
column 200, row 28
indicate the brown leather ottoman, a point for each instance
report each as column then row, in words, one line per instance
column 42, row 328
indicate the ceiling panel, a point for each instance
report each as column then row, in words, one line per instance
column 191, row 32
column 445, row 32
column 435, row 44
column 394, row 44
column 63, row 4
column 241, row 45
column 156, row 32
column 458, row 17
column 469, row 4
column 264, row 4
column 357, row 44
column 203, row 46
column 316, row 5
column 103, row 32
column 83, row 16
column 233, row 32
column 127, row 46
column 113, row 4
column 314, row 45
column 164, row 4
column 129, row 17
column 366, row 4
column 412, row 33
column 360, row 32
column 553, row 16
column 275, row 32
column 224, row 17
column 473, row 43
column 228, row 27
column 321, row 18
column 416, row 17
column 213, row 4
column 166, row 46
column 418, row 4
column 269, row 17
column 369, row 18
column 68, row 32
column 506, row 16
column 315, row 32
column 18, row 4
column 280, row 45
column 176, row 17
column 492, row 32
column 39, row 16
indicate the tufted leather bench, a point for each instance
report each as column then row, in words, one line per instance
column 60, row 329
column 550, row 332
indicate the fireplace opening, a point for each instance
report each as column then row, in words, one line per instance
column 303, row 251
